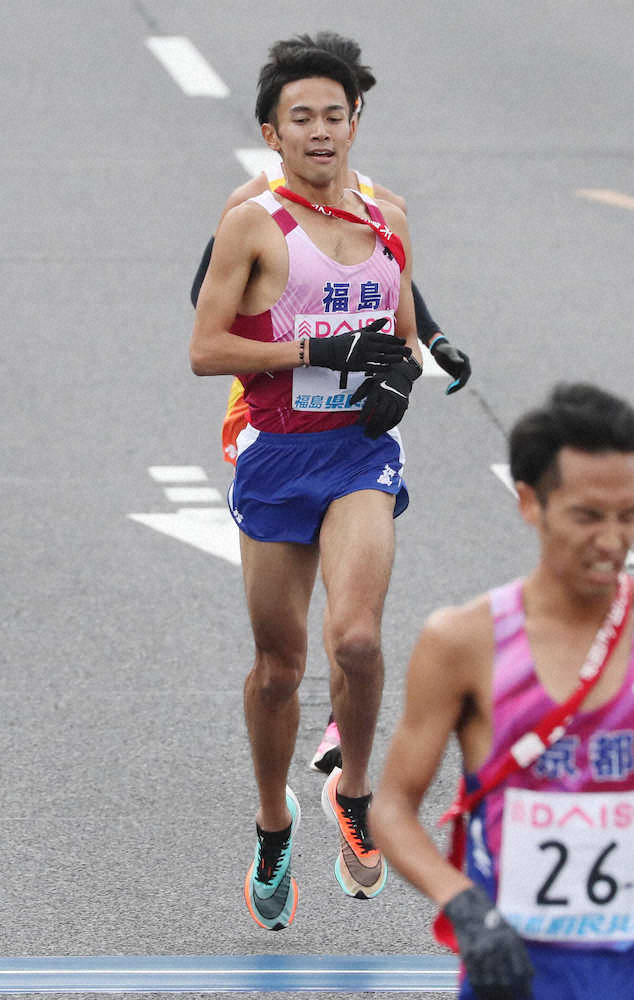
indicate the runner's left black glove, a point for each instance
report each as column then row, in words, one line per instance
column 493, row 953
column 386, row 397
column 456, row 363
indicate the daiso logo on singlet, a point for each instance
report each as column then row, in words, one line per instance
column 331, row 325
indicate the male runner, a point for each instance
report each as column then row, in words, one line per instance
column 319, row 468
column 328, row 753
column 551, row 842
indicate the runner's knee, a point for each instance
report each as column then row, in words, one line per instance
column 356, row 646
column 280, row 658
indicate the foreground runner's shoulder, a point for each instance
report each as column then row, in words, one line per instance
column 457, row 631
column 393, row 215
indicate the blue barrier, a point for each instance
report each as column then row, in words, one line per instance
column 230, row 974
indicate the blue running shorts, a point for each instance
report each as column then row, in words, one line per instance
column 284, row 483
column 576, row 973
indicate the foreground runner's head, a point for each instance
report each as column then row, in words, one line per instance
column 572, row 461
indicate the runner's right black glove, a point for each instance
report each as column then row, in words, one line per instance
column 386, row 397
column 493, row 953
column 362, row 350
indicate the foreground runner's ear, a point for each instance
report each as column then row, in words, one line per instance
column 493, row 953
column 386, row 397
column 354, row 352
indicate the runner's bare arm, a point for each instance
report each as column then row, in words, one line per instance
column 438, row 685
column 239, row 247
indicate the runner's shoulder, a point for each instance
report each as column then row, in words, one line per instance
column 382, row 193
column 247, row 227
column 463, row 630
column 393, row 215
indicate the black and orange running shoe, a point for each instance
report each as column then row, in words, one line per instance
column 360, row 869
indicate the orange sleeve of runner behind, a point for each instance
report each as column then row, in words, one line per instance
column 235, row 420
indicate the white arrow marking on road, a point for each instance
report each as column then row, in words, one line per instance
column 503, row 472
column 607, row 197
column 186, row 66
column 177, row 473
column 211, row 529
column 257, row 159
column 193, row 494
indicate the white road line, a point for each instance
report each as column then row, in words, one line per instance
column 193, row 494
column 430, row 366
column 607, row 197
column 186, row 66
column 257, row 159
column 210, row 529
column 503, row 472
column 177, row 473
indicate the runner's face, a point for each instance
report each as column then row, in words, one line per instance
column 314, row 132
column 587, row 525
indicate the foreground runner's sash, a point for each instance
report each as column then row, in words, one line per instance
column 319, row 389
column 529, row 747
column 391, row 240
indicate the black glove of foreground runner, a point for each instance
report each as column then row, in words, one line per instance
column 493, row 953
column 456, row 363
column 355, row 352
column 386, row 397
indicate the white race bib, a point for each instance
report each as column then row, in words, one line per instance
column 567, row 865
column 318, row 389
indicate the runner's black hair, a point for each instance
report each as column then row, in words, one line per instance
column 299, row 63
column 346, row 49
column 575, row 415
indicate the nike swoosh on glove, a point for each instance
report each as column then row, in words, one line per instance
column 358, row 351
column 386, row 397
column 456, row 363
column 494, row 955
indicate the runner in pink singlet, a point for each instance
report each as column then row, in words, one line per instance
column 545, row 906
column 314, row 315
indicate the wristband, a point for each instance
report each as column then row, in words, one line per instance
column 434, row 340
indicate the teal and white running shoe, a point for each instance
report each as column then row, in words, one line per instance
column 270, row 891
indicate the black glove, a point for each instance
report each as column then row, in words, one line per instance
column 493, row 953
column 386, row 397
column 456, row 363
column 358, row 351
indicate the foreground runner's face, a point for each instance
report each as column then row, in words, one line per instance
column 587, row 525
column 314, row 132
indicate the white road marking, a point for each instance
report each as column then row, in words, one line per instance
column 193, row 494
column 607, row 197
column 177, row 473
column 503, row 472
column 186, row 66
column 430, row 366
column 210, row 529
column 257, row 159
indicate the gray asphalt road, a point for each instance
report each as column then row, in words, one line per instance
column 127, row 797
